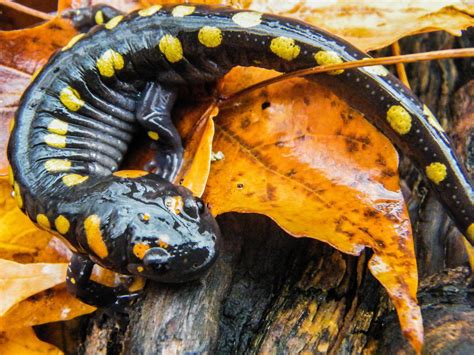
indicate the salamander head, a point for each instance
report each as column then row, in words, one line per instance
column 157, row 230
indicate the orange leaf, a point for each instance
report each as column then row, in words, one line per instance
column 298, row 154
column 53, row 305
column 197, row 155
column 25, row 341
column 26, row 50
column 20, row 238
column 22, row 52
column 20, row 281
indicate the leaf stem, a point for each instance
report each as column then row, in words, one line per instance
column 402, row 74
column 407, row 58
column 26, row 10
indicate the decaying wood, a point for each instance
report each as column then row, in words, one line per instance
column 273, row 293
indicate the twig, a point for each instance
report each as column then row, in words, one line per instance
column 402, row 74
column 408, row 58
column 26, row 10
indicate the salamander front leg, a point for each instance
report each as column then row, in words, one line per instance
column 85, row 18
column 154, row 113
column 80, row 285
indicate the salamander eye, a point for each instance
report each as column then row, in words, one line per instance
column 194, row 207
column 200, row 205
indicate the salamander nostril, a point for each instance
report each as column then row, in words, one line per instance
column 156, row 257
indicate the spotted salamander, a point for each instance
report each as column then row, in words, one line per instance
column 76, row 120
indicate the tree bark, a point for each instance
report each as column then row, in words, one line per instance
column 272, row 293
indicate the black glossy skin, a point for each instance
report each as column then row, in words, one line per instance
column 191, row 235
column 143, row 92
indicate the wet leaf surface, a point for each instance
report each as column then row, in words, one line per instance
column 298, row 154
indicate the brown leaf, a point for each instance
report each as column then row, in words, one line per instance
column 24, row 341
column 198, row 152
column 298, row 154
column 371, row 24
column 23, row 52
column 20, row 239
column 20, row 281
column 53, row 305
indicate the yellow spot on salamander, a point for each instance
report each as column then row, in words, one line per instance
column 210, row 36
column 470, row 231
column 109, row 62
column 171, row 47
column 432, row 119
column 73, row 41
column 11, row 178
column 99, row 17
column 11, row 125
column 285, row 48
column 113, row 22
column 436, row 172
column 130, row 174
column 174, row 204
column 183, row 10
column 140, row 269
column 74, row 179
column 399, row 119
column 145, row 217
column 62, row 224
column 58, row 127
column 57, row 165
column 71, row 99
column 73, row 280
column 94, row 236
column 140, row 249
column 138, row 283
column 247, row 19
column 153, row 135
column 43, row 221
column 163, row 244
column 327, row 58
column 18, row 198
column 55, row 140
column 150, row 11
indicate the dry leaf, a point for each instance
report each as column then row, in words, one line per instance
column 20, row 239
column 20, row 281
column 198, row 152
column 23, row 341
column 298, row 154
column 52, row 305
column 23, row 52
column 371, row 24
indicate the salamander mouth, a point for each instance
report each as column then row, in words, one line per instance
column 159, row 266
column 178, row 264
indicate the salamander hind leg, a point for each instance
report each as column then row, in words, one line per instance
column 154, row 114
column 85, row 18
column 80, row 285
